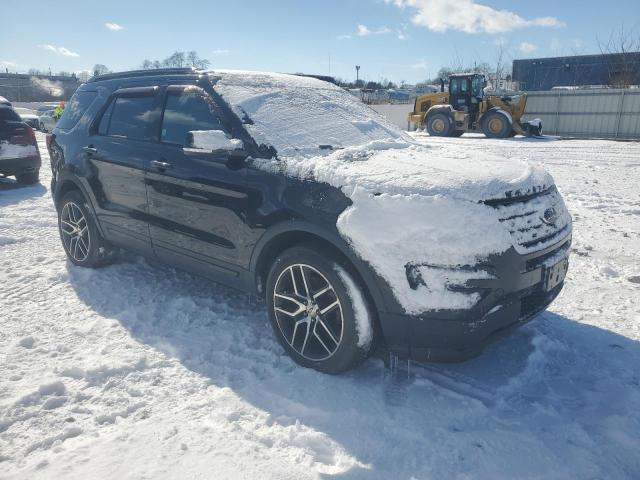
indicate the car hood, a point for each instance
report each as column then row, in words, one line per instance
column 412, row 169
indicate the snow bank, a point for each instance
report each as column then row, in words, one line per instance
column 559, row 398
column 8, row 150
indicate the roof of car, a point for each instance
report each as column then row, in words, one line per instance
column 239, row 76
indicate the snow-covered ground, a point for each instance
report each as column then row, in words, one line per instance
column 139, row 371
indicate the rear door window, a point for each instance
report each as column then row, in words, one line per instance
column 133, row 117
column 75, row 108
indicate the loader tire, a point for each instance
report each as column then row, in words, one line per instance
column 496, row 125
column 439, row 125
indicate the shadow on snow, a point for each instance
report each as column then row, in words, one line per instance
column 557, row 398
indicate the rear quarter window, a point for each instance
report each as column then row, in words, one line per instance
column 75, row 108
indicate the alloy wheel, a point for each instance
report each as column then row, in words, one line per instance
column 75, row 232
column 308, row 312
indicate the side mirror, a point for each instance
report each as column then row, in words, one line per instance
column 211, row 141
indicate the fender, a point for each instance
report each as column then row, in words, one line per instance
column 440, row 108
column 383, row 301
column 64, row 177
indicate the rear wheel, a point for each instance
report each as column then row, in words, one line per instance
column 496, row 125
column 29, row 178
column 42, row 129
column 439, row 125
column 318, row 311
column 80, row 237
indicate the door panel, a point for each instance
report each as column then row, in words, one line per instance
column 120, row 152
column 120, row 178
column 197, row 199
column 198, row 207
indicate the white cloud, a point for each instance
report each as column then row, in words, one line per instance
column 526, row 47
column 364, row 31
column 59, row 50
column 6, row 63
column 113, row 26
column 469, row 16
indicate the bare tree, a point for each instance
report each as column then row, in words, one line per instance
column 176, row 59
column 100, row 69
column 193, row 60
column 623, row 62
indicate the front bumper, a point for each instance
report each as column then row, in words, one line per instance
column 16, row 166
column 512, row 298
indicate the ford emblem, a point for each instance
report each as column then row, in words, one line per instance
column 550, row 216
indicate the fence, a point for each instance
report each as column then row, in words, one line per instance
column 395, row 113
column 596, row 113
column 602, row 113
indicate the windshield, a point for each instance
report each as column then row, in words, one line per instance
column 298, row 115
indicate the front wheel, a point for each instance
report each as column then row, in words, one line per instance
column 439, row 125
column 496, row 125
column 318, row 310
column 80, row 237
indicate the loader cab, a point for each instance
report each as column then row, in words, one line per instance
column 465, row 91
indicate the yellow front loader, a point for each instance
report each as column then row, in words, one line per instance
column 465, row 108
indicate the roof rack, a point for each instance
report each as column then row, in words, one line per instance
column 152, row 72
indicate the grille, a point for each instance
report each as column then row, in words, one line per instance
column 523, row 218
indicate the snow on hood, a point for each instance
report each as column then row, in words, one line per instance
column 402, row 168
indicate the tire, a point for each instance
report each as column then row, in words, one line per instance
column 322, row 320
column 29, row 178
column 42, row 129
column 496, row 125
column 439, row 125
column 79, row 234
column 456, row 133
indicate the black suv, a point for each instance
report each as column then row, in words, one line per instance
column 290, row 188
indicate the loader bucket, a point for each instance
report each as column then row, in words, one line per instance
column 532, row 128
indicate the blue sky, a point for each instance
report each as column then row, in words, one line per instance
column 395, row 39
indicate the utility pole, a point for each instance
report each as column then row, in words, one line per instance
column 357, row 74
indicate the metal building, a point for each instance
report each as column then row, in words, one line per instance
column 618, row 70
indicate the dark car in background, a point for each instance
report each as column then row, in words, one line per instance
column 239, row 176
column 28, row 116
column 19, row 154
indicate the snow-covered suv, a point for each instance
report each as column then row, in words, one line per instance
column 290, row 188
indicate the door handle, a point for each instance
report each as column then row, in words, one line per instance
column 90, row 149
column 160, row 165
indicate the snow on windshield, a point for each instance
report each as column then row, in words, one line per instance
column 300, row 115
